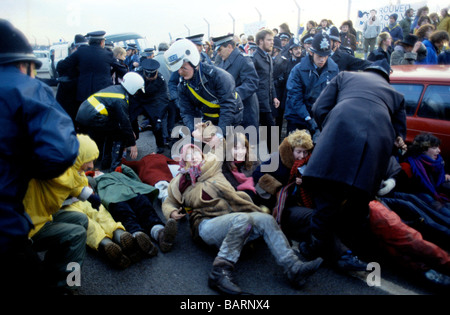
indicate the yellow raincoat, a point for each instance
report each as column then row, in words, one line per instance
column 46, row 197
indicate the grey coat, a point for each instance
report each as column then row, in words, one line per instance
column 360, row 116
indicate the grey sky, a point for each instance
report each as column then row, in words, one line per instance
column 45, row 21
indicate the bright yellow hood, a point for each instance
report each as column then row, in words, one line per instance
column 45, row 197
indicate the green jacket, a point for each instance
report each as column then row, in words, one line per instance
column 116, row 187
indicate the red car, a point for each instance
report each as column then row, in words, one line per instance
column 427, row 100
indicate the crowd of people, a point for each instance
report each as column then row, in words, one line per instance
column 320, row 158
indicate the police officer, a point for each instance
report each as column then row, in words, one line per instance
column 295, row 56
column 152, row 103
column 305, row 83
column 37, row 140
column 198, row 41
column 205, row 91
column 132, row 59
column 306, row 42
column 93, row 64
column 66, row 94
column 342, row 57
column 105, row 115
column 147, row 54
column 245, row 77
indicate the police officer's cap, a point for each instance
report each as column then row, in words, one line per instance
column 334, row 34
column 14, row 46
column 295, row 43
column 109, row 44
column 252, row 46
column 79, row 40
column 148, row 52
column 131, row 46
column 96, row 35
column 381, row 67
column 219, row 41
column 285, row 36
column 321, row 45
column 196, row 39
column 277, row 43
column 307, row 39
column 150, row 66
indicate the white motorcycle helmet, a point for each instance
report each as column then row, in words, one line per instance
column 181, row 51
column 132, row 82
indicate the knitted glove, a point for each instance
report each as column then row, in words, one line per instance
column 95, row 201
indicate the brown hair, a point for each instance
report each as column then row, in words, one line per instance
column 421, row 31
column 261, row 35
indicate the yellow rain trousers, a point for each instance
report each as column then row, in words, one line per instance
column 101, row 223
column 45, row 197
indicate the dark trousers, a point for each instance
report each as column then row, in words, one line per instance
column 64, row 240
column 342, row 212
column 136, row 214
column 21, row 269
column 266, row 119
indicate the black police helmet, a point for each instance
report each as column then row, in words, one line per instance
column 321, row 45
column 14, row 46
column 334, row 34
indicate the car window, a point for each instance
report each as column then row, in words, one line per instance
column 412, row 94
column 436, row 102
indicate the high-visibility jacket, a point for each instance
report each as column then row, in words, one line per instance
column 210, row 95
column 108, row 109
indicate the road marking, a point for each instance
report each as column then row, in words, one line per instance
column 386, row 285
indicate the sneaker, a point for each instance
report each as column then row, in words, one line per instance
column 145, row 244
column 167, row 235
column 302, row 270
column 349, row 262
column 437, row 278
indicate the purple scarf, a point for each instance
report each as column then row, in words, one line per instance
column 431, row 173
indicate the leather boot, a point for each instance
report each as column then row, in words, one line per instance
column 300, row 271
column 221, row 279
column 167, row 236
column 113, row 253
column 128, row 244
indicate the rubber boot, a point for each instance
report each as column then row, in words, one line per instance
column 128, row 244
column 113, row 253
column 148, row 249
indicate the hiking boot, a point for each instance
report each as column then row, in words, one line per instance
column 113, row 253
column 349, row 262
column 302, row 270
column 167, row 236
column 128, row 244
column 221, row 278
column 145, row 244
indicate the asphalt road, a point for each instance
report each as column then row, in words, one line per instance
column 184, row 270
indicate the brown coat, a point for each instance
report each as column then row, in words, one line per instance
column 224, row 197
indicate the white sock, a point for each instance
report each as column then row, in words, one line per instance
column 155, row 231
